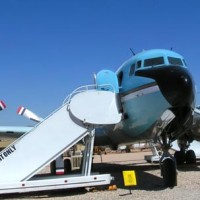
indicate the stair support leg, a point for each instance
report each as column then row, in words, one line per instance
column 88, row 153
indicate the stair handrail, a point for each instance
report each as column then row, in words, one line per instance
column 86, row 88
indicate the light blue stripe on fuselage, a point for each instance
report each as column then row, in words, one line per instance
column 140, row 92
column 143, row 108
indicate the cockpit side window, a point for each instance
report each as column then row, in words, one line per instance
column 175, row 61
column 184, row 62
column 120, row 78
column 132, row 69
column 139, row 64
column 153, row 61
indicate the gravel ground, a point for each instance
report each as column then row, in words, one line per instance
column 149, row 182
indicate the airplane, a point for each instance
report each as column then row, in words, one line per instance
column 10, row 133
column 156, row 96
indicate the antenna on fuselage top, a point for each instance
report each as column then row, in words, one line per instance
column 171, row 48
column 95, row 78
column 132, row 51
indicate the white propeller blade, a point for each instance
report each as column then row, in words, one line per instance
column 28, row 114
column 2, row 105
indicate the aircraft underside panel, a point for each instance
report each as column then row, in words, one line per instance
column 57, row 133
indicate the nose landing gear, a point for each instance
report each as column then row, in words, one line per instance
column 168, row 170
column 167, row 162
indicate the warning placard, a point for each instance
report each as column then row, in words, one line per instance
column 129, row 178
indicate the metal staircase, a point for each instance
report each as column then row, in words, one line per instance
column 83, row 111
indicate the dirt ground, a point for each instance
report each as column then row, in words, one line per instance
column 149, row 181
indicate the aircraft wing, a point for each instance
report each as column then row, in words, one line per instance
column 10, row 133
column 14, row 131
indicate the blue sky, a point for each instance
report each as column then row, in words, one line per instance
column 48, row 48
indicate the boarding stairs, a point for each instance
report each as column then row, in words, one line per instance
column 83, row 111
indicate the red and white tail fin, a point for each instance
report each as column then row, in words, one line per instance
column 28, row 114
column 2, row 105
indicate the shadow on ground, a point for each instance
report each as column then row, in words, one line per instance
column 189, row 167
column 145, row 175
column 145, row 180
column 46, row 194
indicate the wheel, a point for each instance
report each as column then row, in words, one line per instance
column 53, row 167
column 180, row 157
column 67, row 166
column 190, row 157
column 127, row 150
column 168, row 167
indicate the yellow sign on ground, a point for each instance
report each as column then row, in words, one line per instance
column 129, row 178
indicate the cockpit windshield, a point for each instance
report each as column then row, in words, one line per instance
column 175, row 61
column 153, row 61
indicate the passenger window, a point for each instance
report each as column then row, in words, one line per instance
column 132, row 69
column 120, row 78
column 139, row 63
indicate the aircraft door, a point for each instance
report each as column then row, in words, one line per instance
column 107, row 80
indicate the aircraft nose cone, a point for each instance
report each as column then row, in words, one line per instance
column 175, row 83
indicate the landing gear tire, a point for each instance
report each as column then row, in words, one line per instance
column 53, row 167
column 168, row 169
column 180, row 157
column 67, row 166
column 190, row 157
column 128, row 150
